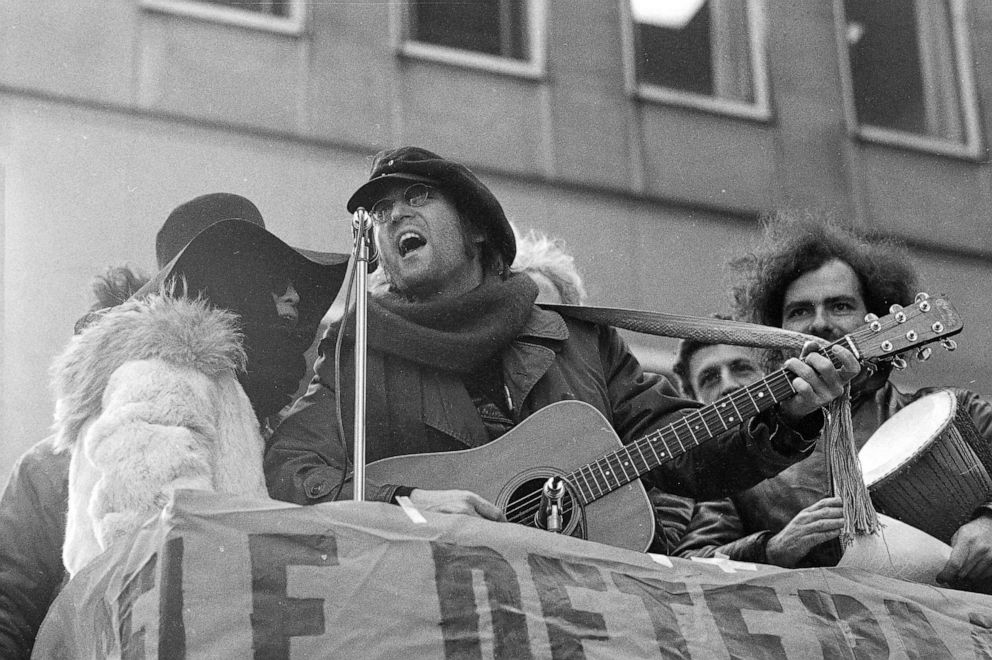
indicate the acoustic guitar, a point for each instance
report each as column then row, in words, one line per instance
column 604, row 499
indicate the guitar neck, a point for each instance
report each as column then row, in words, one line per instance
column 619, row 468
column 925, row 321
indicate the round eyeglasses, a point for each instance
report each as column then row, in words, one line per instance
column 415, row 195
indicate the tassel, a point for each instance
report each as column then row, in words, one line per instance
column 860, row 518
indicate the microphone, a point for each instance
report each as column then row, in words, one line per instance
column 361, row 228
column 548, row 514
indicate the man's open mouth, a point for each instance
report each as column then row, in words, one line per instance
column 410, row 241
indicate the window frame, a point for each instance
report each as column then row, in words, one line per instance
column 535, row 67
column 294, row 24
column 973, row 146
column 757, row 110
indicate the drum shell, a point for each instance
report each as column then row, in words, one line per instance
column 941, row 486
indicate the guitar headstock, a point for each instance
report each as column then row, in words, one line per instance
column 925, row 321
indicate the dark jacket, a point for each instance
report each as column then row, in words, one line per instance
column 32, row 527
column 415, row 409
column 741, row 525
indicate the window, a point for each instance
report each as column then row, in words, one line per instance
column 701, row 53
column 274, row 15
column 266, row 7
column 495, row 34
column 909, row 79
column 494, row 27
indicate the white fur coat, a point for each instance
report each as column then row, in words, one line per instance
column 147, row 401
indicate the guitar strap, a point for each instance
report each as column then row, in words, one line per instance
column 707, row 330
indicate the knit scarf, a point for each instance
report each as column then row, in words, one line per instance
column 452, row 334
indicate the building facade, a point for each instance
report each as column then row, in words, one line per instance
column 649, row 141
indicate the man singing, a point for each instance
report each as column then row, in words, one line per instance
column 459, row 354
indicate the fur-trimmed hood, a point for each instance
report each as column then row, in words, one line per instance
column 182, row 332
column 148, row 402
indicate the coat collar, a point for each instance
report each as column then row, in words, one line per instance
column 545, row 324
column 525, row 361
column 531, row 354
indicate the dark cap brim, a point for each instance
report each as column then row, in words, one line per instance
column 371, row 192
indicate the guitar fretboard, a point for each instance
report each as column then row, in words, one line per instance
column 612, row 471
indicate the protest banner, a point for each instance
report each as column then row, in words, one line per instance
column 216, row 577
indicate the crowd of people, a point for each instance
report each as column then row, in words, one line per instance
column 185, row 380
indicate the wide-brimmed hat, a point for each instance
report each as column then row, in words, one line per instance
column 190, row 218
column 229, row 255
column 470, row 195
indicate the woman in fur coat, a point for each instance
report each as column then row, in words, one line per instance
column 167, row 390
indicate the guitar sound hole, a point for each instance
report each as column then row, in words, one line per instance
column 521, row 501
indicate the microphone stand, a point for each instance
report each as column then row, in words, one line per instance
column 362, row 226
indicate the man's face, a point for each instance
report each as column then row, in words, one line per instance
column 423, row 249
column 715, row 371
column 825, row 302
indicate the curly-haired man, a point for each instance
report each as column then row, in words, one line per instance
column 813, row 276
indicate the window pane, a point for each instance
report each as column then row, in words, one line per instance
column 268, row 7
column 494, row 27
column 677, row 57
column 885, row 63
column 903, row 67
column 704, row 49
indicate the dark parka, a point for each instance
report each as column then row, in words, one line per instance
column 413, row 409
column 32, row 528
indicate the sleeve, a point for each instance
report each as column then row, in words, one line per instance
column 716, row 529
column 980, row 411
column 717, row 467
column 152, row 437
column 32, row 524
column 671, row 516
column 306, row 461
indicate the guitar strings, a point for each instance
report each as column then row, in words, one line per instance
column 527, row 507
column 523, row 510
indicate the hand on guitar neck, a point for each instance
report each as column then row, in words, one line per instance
column 819, row 379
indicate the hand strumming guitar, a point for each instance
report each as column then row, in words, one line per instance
column 455, row 501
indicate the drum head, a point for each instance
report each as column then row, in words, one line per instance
column 904, row 434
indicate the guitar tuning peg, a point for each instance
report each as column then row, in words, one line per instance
column 871, row 318
column 924, row 354
column 898, row 363
column 895, row 308
column 949, row 344
column 921, row 296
